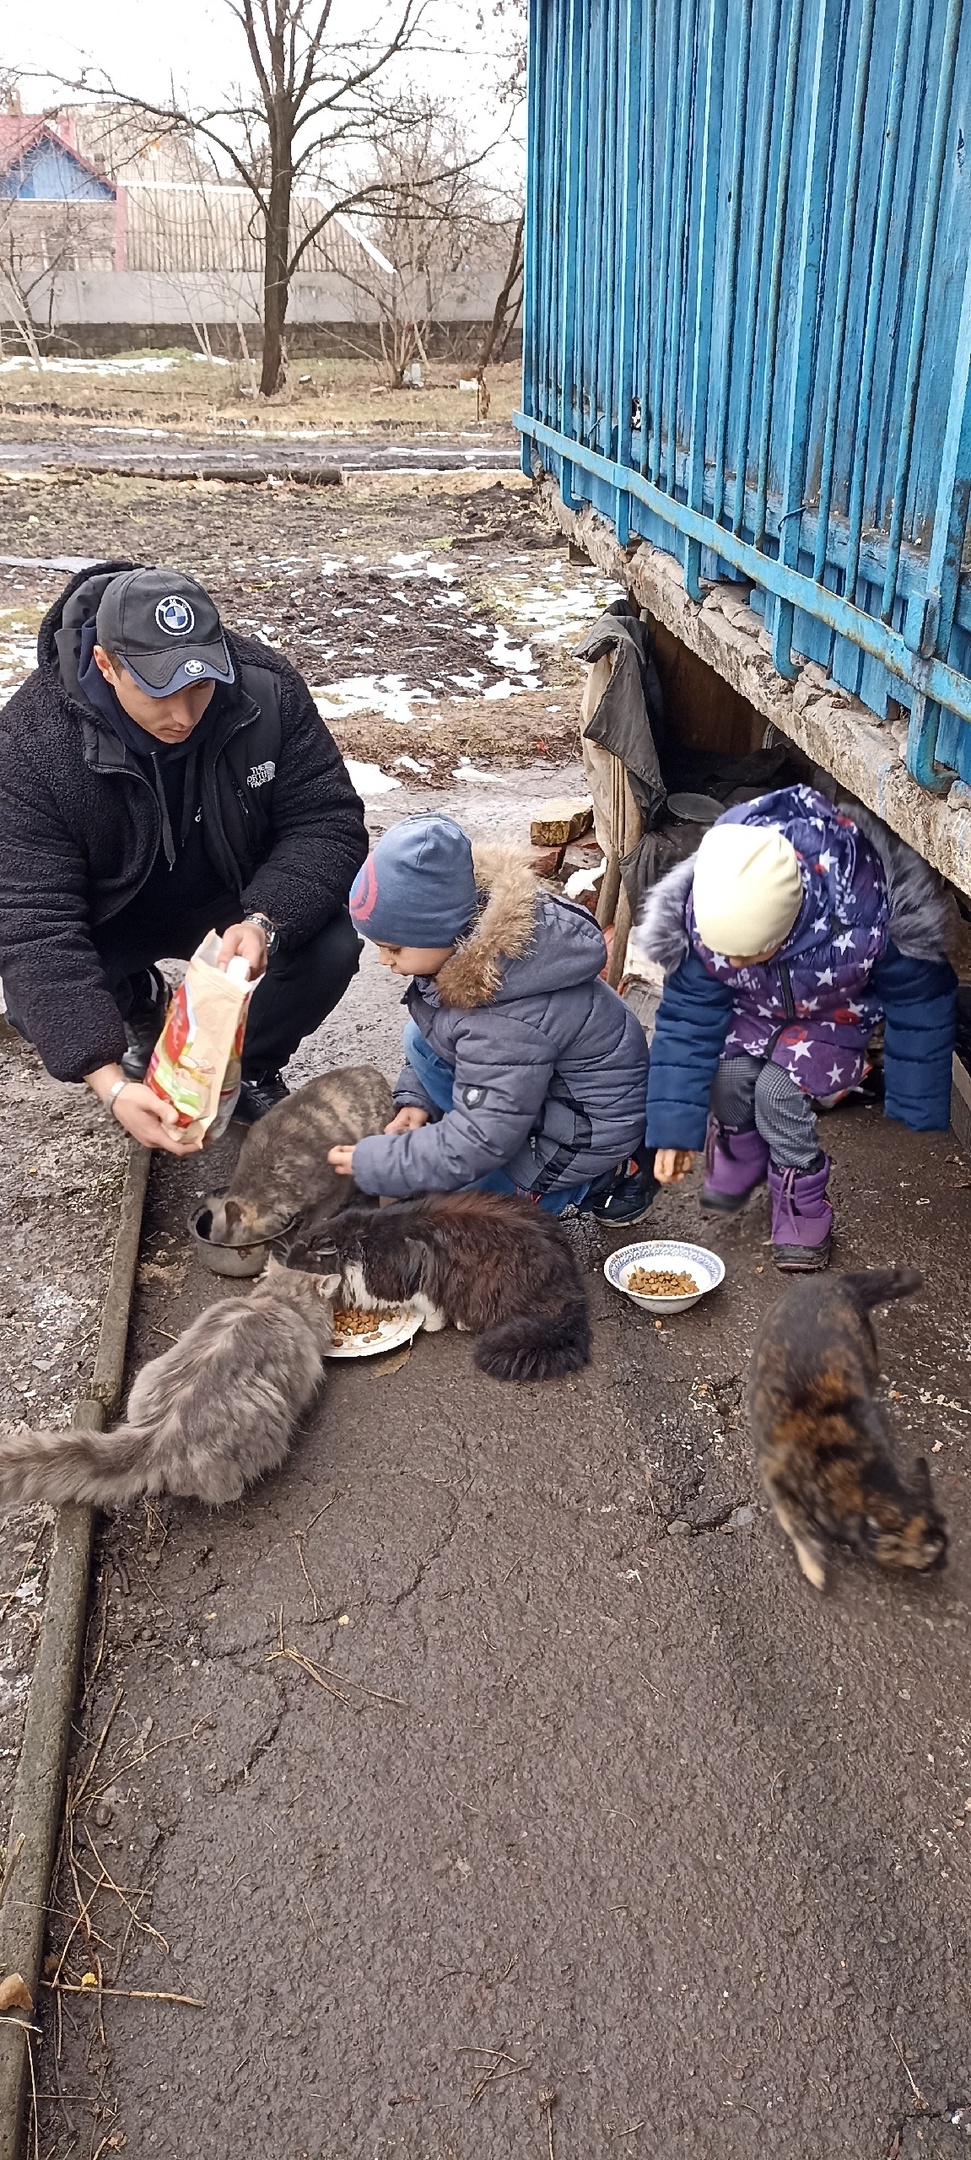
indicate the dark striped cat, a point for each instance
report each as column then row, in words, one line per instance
column 499, row 1269
column 822, row 1438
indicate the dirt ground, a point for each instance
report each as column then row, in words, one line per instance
column 177, row 389
column 493, row 1770
column 433, row 618
column 61, row 1173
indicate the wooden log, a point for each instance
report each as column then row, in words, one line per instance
column 560, row 822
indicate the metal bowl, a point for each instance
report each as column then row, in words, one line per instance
column 695, row 1260
column 237, row 1260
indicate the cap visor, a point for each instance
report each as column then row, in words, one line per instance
column 155, row 674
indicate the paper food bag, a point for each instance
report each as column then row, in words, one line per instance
column 196, row 1062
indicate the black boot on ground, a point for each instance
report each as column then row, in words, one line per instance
column 258, row 1096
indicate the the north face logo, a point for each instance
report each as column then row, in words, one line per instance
column 258, row 775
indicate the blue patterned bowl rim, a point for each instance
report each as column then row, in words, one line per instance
column 666, row 1252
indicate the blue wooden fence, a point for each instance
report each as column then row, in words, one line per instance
column 748, row 317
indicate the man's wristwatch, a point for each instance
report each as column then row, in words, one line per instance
column 269, row 929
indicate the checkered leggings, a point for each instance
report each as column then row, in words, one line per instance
column 749, row 1091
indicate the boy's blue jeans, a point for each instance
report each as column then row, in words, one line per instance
column 437, row 1077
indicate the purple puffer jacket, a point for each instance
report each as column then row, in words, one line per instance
column 811, row 1010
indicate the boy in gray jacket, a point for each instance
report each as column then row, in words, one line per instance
column 524, row 1073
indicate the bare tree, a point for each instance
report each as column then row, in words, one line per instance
column 438, row 229
column 312, row 98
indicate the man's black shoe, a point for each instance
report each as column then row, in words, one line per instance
column 625, row 1198
column 144, row 1020
column 256, row 1097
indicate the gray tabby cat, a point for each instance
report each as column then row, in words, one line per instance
column 204, row 1420
column 282, row 1168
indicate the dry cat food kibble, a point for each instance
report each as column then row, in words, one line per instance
column 660, row 1282
column 351, row 1325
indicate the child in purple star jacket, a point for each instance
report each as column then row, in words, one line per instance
column 790, row 934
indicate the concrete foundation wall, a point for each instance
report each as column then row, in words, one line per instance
column 833, row 728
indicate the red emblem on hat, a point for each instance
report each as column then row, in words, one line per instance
column 364, row 892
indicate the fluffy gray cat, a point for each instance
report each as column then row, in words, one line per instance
column 204, row 1420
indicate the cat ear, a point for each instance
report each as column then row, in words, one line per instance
column 922, row 1481
column 232, row 1214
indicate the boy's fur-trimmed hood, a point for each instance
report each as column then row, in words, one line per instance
column 523, row 939
column 920, row 915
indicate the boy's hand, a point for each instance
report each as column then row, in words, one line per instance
column 672, row 1164
column 341, row 1159
column 410, row 1119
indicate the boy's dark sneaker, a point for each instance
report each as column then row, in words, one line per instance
column 144, row 1016
column 626, row 1196
column 258, row 1096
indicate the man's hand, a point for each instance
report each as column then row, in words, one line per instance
column 142, row 1113
column 672, row 1164
column 247, row 941
column 410, row 1119
column 341, row 1159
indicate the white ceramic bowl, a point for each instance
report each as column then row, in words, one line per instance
column 695, row 1260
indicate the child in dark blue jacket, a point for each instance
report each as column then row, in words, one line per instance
column 791, row 933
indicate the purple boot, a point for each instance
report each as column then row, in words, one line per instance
column 735, row 1163
column 802, row 1218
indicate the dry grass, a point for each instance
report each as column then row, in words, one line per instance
column 195, row 393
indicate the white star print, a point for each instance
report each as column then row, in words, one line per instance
column 836, row 1075
column 825, row 861
column 809, row 1005
column 802, row 1050
column 856, row 1010
column 843, row 942
column 821, row 923
column 824, row 975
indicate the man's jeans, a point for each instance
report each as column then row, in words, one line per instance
column 437, row 1077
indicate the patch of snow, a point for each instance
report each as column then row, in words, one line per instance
column 518, row 659
column 465, row 770
column 49, row 562
column 501, row 689
column 412, row 764
column 582, row 880
column 149, row 364
column 369, row 779
column 369, row 693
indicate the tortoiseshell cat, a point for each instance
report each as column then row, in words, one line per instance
column 821, row 1437
column 498, row 1268
column 283, row 1167
column 205, row 1419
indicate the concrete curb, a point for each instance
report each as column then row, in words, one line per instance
column 40, row 1777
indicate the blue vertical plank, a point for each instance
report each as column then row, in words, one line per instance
column 735, row 190
column 822, row 92
column 849, row 194
column 754, row 265
column 946, row 551
column 628, row 261
column 874, row 272
column 774, row 296
column 918, row 328
column 709, row 204
column 685, row 94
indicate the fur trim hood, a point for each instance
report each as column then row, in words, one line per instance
column 524, row 940
column 919, row 918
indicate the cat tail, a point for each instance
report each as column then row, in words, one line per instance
column 97, row 1469
column 879, row 1285
column 534, row 1347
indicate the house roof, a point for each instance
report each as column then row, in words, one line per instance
column 21, row 133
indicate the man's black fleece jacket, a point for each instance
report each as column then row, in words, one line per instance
column 81, row 827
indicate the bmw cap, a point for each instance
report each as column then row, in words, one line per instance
column 165, row 629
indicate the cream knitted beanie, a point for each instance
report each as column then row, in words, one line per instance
column 747, row 889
